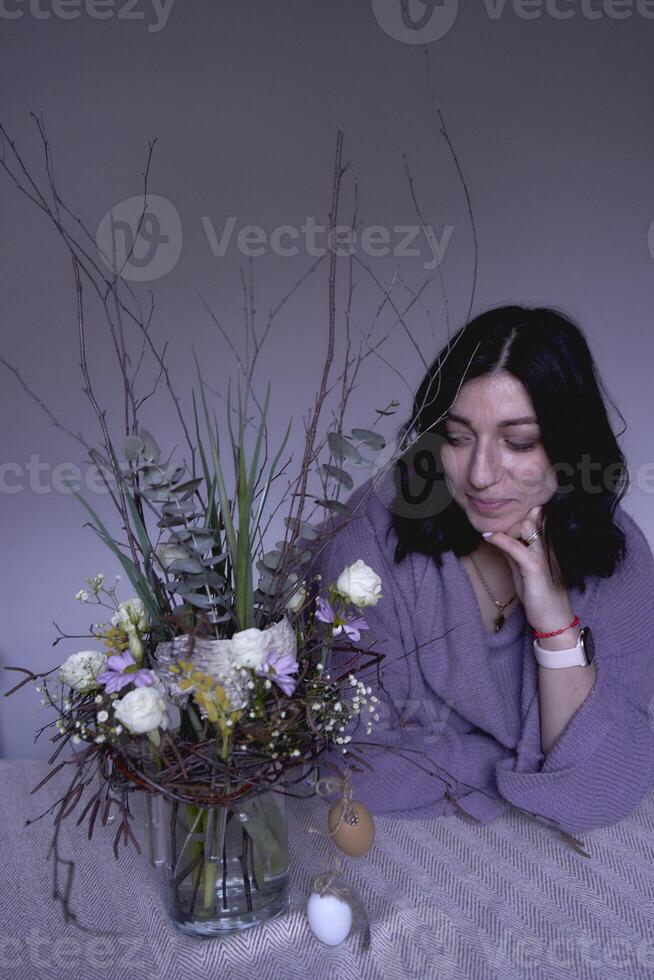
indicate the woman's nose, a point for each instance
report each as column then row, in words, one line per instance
column 484, row 466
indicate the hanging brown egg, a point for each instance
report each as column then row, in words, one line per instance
column 356, row 833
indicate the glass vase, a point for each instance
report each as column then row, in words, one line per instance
column 224, row 868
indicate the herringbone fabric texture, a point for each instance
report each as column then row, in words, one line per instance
column 445, row 898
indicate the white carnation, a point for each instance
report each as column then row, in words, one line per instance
column 359, row 584
column 142, row 710
column 249, row 648
column 81, row 669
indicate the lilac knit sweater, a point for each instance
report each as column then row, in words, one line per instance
column 456, row 700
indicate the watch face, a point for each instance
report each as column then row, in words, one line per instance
column 588, row 644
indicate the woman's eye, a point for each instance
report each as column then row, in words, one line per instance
column 521, row 447
column 518, row 447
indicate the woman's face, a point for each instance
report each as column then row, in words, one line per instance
column 492, row 452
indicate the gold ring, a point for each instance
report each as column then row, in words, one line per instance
column 531, row 538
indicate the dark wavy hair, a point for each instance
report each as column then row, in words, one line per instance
column 548, row 353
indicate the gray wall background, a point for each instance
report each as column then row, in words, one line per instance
column 550, row 115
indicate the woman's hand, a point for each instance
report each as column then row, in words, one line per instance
column 546, row 603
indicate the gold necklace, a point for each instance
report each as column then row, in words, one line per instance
column 500, row 618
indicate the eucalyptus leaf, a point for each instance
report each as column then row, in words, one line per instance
column 271, row 559
column 188, row 487
column 177, row 474
column 213, row 579
column 295, row 552
column 305, row 530
column 268, row 588
column 342, row 448
column 175, row 509
column 372, row 439
column 190, row 565
column 181, row 588
column 155, row 495
column 201, row 601
column 153, row 476
column 132, row 447
column 177, row 536
column 215, row 617
column 338, row 474
column 150, row 449
column 202, row 540
column 215, row 559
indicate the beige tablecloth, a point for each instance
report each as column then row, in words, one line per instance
column 445, row 899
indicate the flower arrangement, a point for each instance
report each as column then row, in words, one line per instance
column 205, row 690
column 202, row 689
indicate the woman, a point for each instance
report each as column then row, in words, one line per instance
column 517, row 618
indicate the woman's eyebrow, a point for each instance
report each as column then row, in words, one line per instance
column 525, row 420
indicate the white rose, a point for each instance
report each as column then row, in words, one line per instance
column 81, row 669
column 296, row 601
column 249, row 648
column 142, row 710
column 131, row 615
column 359, row 584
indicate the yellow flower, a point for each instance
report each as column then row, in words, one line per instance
column 115, row 639
column 209, row 695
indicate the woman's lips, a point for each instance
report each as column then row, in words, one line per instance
column 487, row 508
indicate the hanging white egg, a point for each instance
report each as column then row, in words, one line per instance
column 330, row 918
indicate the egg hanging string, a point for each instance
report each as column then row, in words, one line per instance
column 327, row 786
column 330, row 882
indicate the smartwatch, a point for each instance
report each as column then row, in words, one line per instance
column 580, row 655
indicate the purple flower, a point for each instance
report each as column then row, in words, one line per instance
column 123, row 671
column 351, row 627
column 325, row 612
column 278, row 668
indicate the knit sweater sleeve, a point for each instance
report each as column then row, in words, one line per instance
column 602, row 765
column 403, row 778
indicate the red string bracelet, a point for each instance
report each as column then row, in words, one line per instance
column 541, row 636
